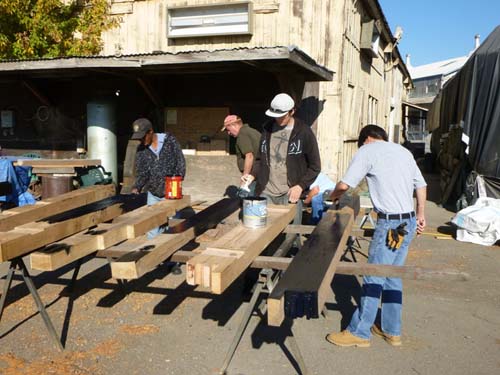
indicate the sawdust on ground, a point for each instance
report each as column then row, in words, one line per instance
column 68, row 363
column 137, row 329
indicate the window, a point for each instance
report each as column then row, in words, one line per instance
column 220, row 19
column 370, row 38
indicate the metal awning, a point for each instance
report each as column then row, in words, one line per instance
column 414, row 106
column 270, row 59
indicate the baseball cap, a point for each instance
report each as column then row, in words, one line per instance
column 280, row 105
column 141, row 126
column 229, row 120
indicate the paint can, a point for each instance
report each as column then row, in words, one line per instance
column 173, row 187
column 254, row 212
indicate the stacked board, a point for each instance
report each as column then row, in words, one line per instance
column 226, row 258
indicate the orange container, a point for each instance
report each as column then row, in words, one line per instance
column 173, row 187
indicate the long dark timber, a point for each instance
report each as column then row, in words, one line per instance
column 209, row 217
column 303, row 288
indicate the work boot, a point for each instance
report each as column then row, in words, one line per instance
column 346, row 338
column 392, row 340
column 176, row 269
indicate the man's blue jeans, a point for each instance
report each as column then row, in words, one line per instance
column 153, row 199
column 389, row 288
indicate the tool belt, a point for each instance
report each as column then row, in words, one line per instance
column 396, row 236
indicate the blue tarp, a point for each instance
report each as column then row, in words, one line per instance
column 19, row 177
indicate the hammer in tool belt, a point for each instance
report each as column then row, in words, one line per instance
column 396, row 236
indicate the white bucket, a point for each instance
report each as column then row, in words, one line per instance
column 254, row 212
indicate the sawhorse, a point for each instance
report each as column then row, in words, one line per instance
column 17, row 264
column 268, row 278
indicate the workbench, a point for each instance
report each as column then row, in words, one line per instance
column 90, row 222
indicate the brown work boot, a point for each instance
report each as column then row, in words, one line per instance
column 392, row 340
column 346, row 338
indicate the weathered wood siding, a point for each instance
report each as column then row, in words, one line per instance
column 364, row 90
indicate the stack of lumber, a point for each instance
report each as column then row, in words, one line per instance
column 52, row 206
column 126, row 225
column 225, row 259
column 29, row 227
column 141, row 256
column 50, row 167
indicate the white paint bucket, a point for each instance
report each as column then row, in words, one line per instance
column 254, row 212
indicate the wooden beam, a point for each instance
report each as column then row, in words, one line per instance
column 409, row 272
column 36, row 92
column 221, row 263
column 57, row 163
column 151, row 93
column 127, row 226
column 304, row 287
column 144, row 256
column 31, row 236
column 21, row 215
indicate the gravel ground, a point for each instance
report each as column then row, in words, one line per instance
column 164, row 326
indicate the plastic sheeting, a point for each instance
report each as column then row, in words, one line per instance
column 471, row 100
column 19, row 178
column 479, row 223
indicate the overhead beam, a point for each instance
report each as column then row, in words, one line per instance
column 36, row 93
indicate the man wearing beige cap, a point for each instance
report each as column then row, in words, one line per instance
column 247, row 144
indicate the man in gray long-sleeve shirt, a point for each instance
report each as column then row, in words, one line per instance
column 392, row 176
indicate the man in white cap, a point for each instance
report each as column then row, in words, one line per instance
column 289, row 155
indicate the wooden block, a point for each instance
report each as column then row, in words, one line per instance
column 64, row 252
column 21, row 215
column 240, row 247
column 140, row 261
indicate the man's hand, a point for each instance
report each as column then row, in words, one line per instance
column 312, row 193
column 420, row 223
column 134, row 191
column 294, row 193
column 246, row 180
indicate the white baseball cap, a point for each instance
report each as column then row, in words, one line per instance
column 280, row 105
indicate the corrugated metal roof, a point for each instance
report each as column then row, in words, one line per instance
column 438, row 68
column 286, row 54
